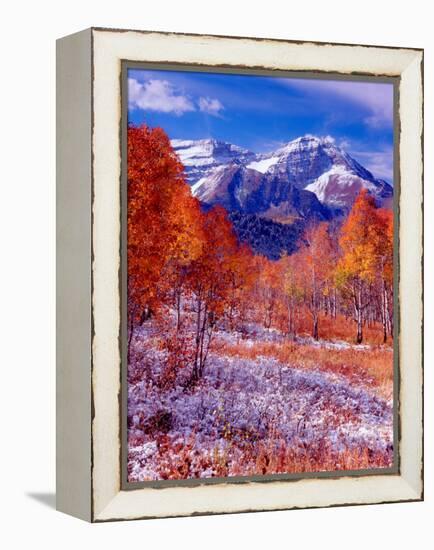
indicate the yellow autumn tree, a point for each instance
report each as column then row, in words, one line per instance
column 364, row 244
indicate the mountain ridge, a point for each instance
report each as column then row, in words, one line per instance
column 310, row 163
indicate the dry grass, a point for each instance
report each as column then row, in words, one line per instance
column 340, row 328
column 315, row 458
column 274, row 456
column 370, row 367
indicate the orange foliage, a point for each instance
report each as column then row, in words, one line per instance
column 317, row 259
column 366, row 242
column 364, row 239
column 185, row 264
column 164, row 230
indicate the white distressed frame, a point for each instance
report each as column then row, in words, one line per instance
column 109, row 48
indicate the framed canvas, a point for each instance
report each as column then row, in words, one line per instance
column 239, row 274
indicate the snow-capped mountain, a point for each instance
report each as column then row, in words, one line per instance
column 200, row 156
column 318, row 165
column 270, row 197
column 222, row 173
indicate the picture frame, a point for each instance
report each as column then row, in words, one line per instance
column 91, row 333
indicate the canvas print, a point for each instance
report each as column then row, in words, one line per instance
column 260, row 305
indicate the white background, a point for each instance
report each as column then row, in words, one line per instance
column 27, row 229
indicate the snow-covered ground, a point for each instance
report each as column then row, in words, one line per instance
column 243, row 408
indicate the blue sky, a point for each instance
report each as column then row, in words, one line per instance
column 261, row 113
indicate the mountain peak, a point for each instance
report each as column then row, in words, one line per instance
column 205, row 143
column 312, row 163
column 202, row 155
column 308, row 142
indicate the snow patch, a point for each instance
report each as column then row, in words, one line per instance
column 339, row 187
column 264, row 164
column 259, row 398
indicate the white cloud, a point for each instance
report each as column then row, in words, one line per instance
column 162, row 96
column 157, row 95
column 376, row 97
column 210, row 106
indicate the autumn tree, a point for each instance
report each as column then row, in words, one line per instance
column 268, row 289
column 210, row 281
column 366, row 251
column 292, row 290
column 183, row 249
column 316, row 261
column 164, row 225
column 241, row 277
column 385, row 268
